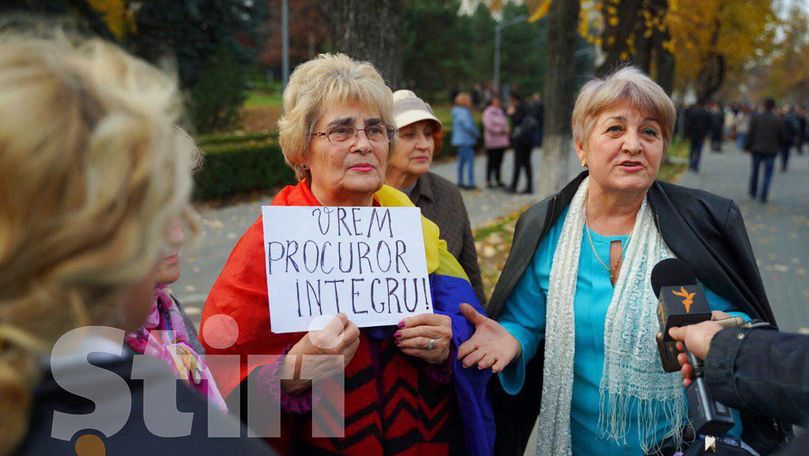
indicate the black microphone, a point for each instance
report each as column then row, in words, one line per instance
column 682, row 302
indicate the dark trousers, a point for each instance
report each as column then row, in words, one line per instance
column 716, row 141
column 695, row 153
column 494, row 161
column 785, row 149
column 522, row 160
column 769, row 163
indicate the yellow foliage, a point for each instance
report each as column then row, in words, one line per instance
column 785, row 75
column 540, row 10
column 116, row 16
column 734, row 29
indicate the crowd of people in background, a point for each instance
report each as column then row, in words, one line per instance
column 508, row 121
column 765, row 131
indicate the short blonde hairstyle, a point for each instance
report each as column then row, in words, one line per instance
column 463, row 97
column 319, row 83
column 91, row 170
column 627, row 85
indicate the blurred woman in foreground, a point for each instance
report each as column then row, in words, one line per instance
column 91, row 173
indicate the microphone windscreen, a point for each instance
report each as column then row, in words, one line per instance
column 671, row 272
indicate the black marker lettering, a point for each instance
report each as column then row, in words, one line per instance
column 270, row 258
column 356, row 219
column 350, row 264
column 323, row 258
column 363, row 249
column 380, row 222
column 391, row 294
column 379, row 262
column 341, row 220
column 292, row 249
column 401, row 248
column 354, row 294
column 336, row 295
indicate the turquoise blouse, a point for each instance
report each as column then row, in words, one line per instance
column 524, row 318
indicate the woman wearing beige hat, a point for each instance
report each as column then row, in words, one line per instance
column 420, row 135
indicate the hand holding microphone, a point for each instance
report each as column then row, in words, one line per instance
column 698, row 339
column 682, row 303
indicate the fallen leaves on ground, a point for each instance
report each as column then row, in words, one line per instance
column 493, row 242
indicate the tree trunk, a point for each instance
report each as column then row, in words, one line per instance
column 713, row 69
column 367, row 30
column 664, row 65
column 615, row 37
column 559, row 91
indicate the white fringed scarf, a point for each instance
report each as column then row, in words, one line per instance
column 633, row 379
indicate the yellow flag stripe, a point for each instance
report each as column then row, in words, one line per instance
column 439, row 260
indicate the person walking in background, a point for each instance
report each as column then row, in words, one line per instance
column 523, row 124
column 764, row 140
column 465, row 136
column 538, row 108
column 495, row 139
column 741, row 124
column 791, row 127
column 800, row 138
column 717, row 124
column 697, row 127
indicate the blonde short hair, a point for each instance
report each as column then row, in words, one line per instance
column 463, row 97
column 91, row 170
column 319, row 83
column 627, row 85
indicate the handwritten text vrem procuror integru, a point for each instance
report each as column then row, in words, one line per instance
column 356, row 260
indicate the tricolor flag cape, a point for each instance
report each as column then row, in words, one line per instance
column 241, row 292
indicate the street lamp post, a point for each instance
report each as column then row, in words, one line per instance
column 497, row 32
column 284, row 43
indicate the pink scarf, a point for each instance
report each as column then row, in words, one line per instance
column 163, row 335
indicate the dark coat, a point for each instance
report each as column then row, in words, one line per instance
column 704, row 230
column 698, row 123
column 766, row 134
column 762, row 370
column 134, row 438
column 441, row 201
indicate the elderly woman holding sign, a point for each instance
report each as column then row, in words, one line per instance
column 576, row 313
column 405, row 390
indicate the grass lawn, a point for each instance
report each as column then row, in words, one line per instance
column 260, row 99
column 261, row 110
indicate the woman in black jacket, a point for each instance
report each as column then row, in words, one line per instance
column 574, row 306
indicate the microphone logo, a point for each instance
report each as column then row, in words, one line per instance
column 688, row 298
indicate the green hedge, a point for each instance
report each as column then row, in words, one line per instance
column 242, row 163
column 233, row 169
column 216, row 139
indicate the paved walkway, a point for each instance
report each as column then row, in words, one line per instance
column 224, row 226
column 779, row 230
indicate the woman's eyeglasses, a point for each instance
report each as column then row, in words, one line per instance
column 343, row 134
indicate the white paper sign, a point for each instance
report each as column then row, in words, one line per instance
column 367, row 262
